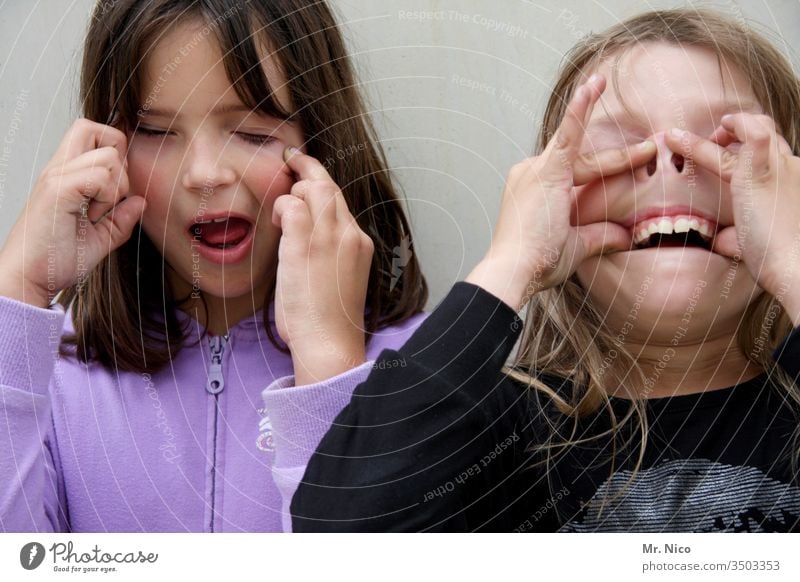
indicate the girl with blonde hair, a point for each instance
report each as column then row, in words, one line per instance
column 654, row 388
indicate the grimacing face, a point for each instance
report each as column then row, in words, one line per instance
column 209, row 167
column 668, row 287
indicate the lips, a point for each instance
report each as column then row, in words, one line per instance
column 221, row 232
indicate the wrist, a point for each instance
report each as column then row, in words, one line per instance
column 502, row 280
column 326, row 356
column 15, row 287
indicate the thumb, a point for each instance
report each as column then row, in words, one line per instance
column 726, row 243
column 603, row 237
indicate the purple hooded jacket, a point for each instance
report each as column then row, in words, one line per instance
column 215, row 442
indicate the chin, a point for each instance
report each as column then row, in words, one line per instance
column 668, row 286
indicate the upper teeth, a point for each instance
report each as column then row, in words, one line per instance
column 210, row 221
column 670, row 225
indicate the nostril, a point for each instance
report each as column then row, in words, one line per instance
column 678, row 161
column 651, row 166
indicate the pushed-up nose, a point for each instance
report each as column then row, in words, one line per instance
column 664, row 162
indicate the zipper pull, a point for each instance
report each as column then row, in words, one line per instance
column 216, row 382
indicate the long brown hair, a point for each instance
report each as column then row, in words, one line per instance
column 123, row 312
column 564, row 334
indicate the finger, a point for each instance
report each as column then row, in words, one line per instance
column 85, row 135
column 117, row 227
column 321, row 201
column 80, row 191
column 723, row 137
column 306, row 167
column 759, row 145
column 562, row 151
column 726, row 243
column 291, row 215
column 115, row 185
column 704, row 152
column 608, row 162
column 602, row 238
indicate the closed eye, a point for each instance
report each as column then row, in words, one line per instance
column 141, row 129
column 255, row 139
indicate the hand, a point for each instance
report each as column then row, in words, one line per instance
column 324, row 261
column 76, row 215
column 764, row 176
column 534, row 245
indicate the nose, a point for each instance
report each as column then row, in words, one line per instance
column 665, row 163
column 205, row 167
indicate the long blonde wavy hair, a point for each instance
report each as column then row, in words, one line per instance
column 564, row 334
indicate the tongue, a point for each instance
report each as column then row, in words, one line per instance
column 224, row 233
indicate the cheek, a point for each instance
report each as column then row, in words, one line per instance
column 268, row 180
column 602, row 200
column 149, row 174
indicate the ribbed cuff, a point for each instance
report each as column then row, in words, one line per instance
column 300, row 416
column 28, row 344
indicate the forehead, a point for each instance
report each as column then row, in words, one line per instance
column 659, row 80
column 187, row 63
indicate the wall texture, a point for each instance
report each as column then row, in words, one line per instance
column 456, row 89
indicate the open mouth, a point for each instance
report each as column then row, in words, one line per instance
column 221, row 233
column 674, row 231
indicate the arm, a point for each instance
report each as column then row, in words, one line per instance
column 434, row 439
column 31, row 495
column 299, row 415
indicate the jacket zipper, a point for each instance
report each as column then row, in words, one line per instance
column 215, row 384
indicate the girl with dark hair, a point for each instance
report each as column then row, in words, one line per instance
column 221, row 221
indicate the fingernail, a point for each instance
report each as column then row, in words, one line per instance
column 676, row 132
column 646, row 145
column 594, row 78
column 289, row 152
column 726, row 117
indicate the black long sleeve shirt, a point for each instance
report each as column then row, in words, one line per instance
column 439, row 439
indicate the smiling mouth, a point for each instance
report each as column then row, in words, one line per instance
column 221, row 233
column 674, row 231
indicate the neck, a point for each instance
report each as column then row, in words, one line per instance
column 702, row 365
column 219, row 314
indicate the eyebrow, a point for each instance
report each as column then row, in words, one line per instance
column 219, row 110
